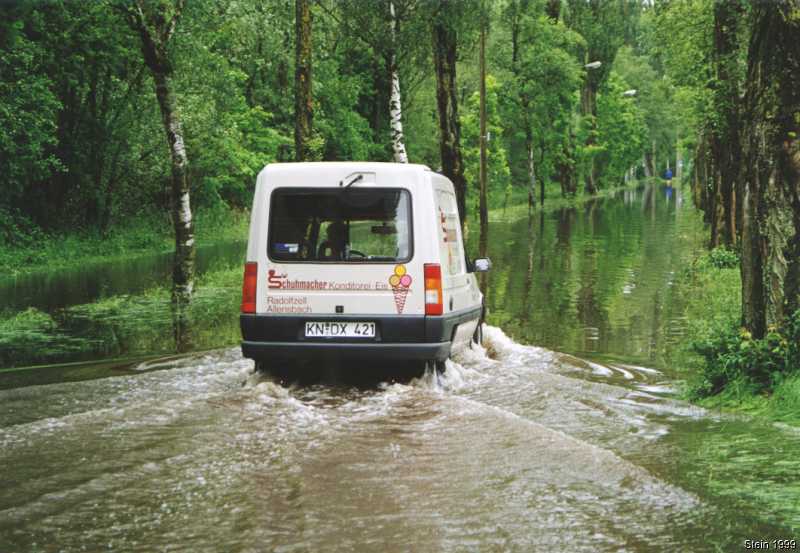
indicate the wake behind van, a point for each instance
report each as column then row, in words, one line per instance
column 357, row 260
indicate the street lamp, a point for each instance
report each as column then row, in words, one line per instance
column 630, row 93
column 593, row 65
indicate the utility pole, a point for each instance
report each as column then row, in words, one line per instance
column 484, row 216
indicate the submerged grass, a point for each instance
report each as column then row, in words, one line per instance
column 123, row 324
column 517, row 205
column 134, row 237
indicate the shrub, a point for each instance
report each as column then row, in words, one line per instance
column 17, row 230
column 732, row 355
column 723, row 258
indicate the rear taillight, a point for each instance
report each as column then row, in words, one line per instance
column 249, row 287
column 433, row 289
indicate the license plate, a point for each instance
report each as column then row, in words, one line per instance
column 349, row 329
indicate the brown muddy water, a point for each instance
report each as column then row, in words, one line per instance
column 515, row 448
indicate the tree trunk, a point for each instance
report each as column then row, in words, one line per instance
column 155, row 43
column 771, row 171
column 553, row 9
column 727, row 148
column 483, row 210
column 395, row 105
column 717, row 209
column 541, row 163
column 589, row 109
column 654, row 161
column 444, row 58
column 566, row 166
column 647, row 161
column 698, row 175
column 303, row 99
column 531, row 166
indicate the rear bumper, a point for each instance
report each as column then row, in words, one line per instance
column 397, row 337
column 338, row 350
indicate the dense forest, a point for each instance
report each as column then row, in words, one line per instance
column 580, row 95
column 248, row 83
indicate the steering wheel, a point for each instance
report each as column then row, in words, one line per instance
column 358, row 253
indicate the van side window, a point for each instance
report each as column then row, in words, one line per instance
column 352, row 225
column 450, row 246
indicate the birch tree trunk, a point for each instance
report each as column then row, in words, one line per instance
column 156, row 27
column 395, row 105
column 444, row 58
column 303, row 98
column 531, row 167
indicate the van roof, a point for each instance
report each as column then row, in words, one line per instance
column 345, row 167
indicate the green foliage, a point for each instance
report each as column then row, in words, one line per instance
column 733, row 357
column 32, row 250
column 17, row 230
column 539, row 93
column 665, row 110
column 723, row 258
column 28, row 111
column 345, row 133
column 497, row 172
column 724, row 358
column 622, row 133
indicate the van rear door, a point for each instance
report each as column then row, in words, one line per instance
column 458, row 294
column 342, row 250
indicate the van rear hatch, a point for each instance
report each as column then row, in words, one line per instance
column 341, row 251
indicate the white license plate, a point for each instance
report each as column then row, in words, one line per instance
column 349, row 329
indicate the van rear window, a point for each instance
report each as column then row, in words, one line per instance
column 344, row 225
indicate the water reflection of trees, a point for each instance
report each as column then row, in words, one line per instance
column 602, row 281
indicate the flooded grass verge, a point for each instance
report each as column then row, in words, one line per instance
column 724, row 368
column 135, row 237
column 123, row 325
column 517, row 206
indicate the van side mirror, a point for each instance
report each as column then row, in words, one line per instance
column 482, row 264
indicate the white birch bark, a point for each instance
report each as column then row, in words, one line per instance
column 395, row 105
column 531, row 173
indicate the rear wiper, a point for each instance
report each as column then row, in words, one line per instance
column 355, row 180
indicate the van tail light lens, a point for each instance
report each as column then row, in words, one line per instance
column 249, row 287
column 433, row 289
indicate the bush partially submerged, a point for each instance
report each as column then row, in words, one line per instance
column 732, row 355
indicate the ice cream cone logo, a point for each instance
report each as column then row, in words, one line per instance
column 400, row 281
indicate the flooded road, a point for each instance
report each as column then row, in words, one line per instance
column 514, row 448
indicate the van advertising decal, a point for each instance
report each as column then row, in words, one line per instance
column 448, row 227
column 400, row 282
column 274, row 280
column 288, row 304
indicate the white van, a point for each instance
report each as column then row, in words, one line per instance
column 357, row 260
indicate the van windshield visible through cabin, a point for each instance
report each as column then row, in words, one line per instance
column 340, row 225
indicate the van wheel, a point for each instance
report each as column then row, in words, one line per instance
column 273, row 370
column 477, row 337
column 436, row 367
